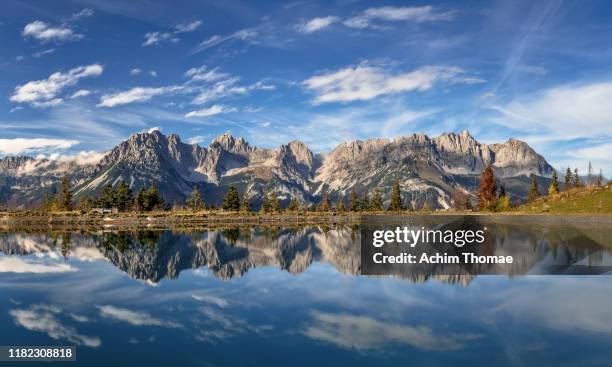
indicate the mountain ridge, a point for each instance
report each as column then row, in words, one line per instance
column 428, row 169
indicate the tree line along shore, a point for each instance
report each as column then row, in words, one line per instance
column 122, row 201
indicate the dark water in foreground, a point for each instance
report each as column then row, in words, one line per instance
column 293, row 296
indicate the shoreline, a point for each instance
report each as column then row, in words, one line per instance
column 169, row 220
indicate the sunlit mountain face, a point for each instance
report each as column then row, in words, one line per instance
column 295, row 295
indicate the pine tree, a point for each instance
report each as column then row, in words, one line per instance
column 354, row 201
column 153, row 199
column 274, row 203
column 65, row 200
column 265, row 205
column 107, row 199
column 195, row 202
column 340, row 205
column 123, row 196
column 231, row 201
column 577, row 182
column 365, row 203
column 396, row 197
column 324, row 204
column 488, row 188
column 377, row 203
column 534, row 189
column 501, row 192
column 44, row 206
column 553, row 188
column 294, row 205
column 245, row 205
column 139, row 201
column 599, row 181
column 568, row 180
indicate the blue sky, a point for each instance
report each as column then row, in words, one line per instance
column 78, row 77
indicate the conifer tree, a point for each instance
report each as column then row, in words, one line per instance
column 245, row 204
column 340, row 205
column 577, row 182
column 568, row 180
column 139, row 201
column 354, row 201
column 265, row 205
column 599, row 181
column 553, row 188
column 365, row 203
column 396, row 197
column 195, row 202
column 377, row 203
column 324, row 204
column 65, row 199
column 231, row 201
column 534, row 189
column 153, row 199
column 488, row 188
column 107, row 199
column 274, row 203
column 590, row 175
column 502, row 191
column 294, row 205
column 123, row 196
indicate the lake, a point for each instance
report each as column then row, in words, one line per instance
column 243, row 296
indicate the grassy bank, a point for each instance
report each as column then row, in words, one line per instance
column 594, row 200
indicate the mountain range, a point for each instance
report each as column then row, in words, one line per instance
column 428, row 169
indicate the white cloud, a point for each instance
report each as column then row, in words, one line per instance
column 81, row 158
column 45, row 319
column 80, row 93
column 134, row 317
column 317, row 24
column 396, row 14
column 19, row 265
column 364, row 333
column 85, row 13
column 203, row 74
column 567, row 112
column 43, row 53
column 22, row 145
column 188, row 27
column 210, row 111
column 157, row 38
column 138, row 94
column 153, row 73
column 243, row 35
column 135, row 71
column 46, row 90
column 198, row 139
column 50, row 103
column 366, row 82
column 46, row 33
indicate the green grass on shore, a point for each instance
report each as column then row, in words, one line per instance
column 591, row 200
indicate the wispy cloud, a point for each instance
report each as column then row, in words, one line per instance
column 365, row 82
column 187, row 27
column 158, row 38
column 45, row 319
column 397, row 14
column 23, row 145
column 137, row 94
column 80, row 93
column 317, row 24
column 363, row 333
column 47, row 90
column 85, row 13
column 211, row 111
column 243, row 35
column 135, row 318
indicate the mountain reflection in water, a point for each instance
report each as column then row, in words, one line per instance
column 294, row 296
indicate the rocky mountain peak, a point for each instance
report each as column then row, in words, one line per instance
column 230, row 143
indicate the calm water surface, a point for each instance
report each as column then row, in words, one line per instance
column 294, row 296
